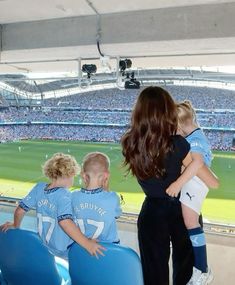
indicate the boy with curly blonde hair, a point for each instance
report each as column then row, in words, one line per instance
column 52, row 202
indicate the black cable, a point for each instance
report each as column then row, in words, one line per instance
column 98, row 47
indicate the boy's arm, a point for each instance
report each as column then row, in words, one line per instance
column 27, row 203
column 18, row 216
column 193, row 162
column 74, row 232
column 208, row 177
column 64, row 216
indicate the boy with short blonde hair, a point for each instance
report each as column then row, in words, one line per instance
column 95, row 207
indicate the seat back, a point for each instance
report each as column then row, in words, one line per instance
column 120, row 265
column 2, row 282
column 25, row 260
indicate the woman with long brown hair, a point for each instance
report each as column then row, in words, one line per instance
column 154, row 154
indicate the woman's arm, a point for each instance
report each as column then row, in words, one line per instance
column 208, row 177
column 192, row 162
column 194, row 165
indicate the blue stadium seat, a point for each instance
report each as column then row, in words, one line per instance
column 24, row 260
column 119, row 266
column 2, row 282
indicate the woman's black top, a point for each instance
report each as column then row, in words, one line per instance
column 155, row 187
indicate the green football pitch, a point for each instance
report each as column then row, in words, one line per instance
column 21, row 164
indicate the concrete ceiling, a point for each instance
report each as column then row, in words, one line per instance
column 155, row 33
column 13, row 11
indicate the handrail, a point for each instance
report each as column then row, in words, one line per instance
column 9, row 199
column 131, row 218
column 209, row 227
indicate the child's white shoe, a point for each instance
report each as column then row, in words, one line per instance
column 205, row 278
column 196, row 274
column 199, row 278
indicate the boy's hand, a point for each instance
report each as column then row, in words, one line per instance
column 173, row 190
column 5, row 227
column 94, row 248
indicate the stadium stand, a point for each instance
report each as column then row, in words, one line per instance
column 104, row 115
column 201, row 97
column 3, row 102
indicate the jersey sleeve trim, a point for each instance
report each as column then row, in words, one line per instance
column 65, row 217
column 23, row 206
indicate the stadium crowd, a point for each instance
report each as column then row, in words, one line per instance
column 12, row 114
column 79, row 116
column 221, row 140
column 61, row 132
column 108, row 114
column 201, row 98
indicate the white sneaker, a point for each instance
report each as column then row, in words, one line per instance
column 205, row 278
column 199, row 278
column 196, row 274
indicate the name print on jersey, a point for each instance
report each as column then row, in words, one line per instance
column 45, row 202
column 90, row 206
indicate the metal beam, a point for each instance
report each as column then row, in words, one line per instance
column 168, row 24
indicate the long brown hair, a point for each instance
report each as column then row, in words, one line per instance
column 146, row 143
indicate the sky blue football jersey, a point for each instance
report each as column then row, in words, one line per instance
column 199, row 143
column 51, row 206
column 95, row 212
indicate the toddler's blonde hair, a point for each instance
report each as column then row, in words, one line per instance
column 61, row 165
column 186, row 112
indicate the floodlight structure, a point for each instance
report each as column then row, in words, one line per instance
column 128, row 77
column 131, row 83
column 124, row 64
column 89, row 69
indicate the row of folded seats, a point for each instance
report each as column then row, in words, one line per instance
column 24, row 260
